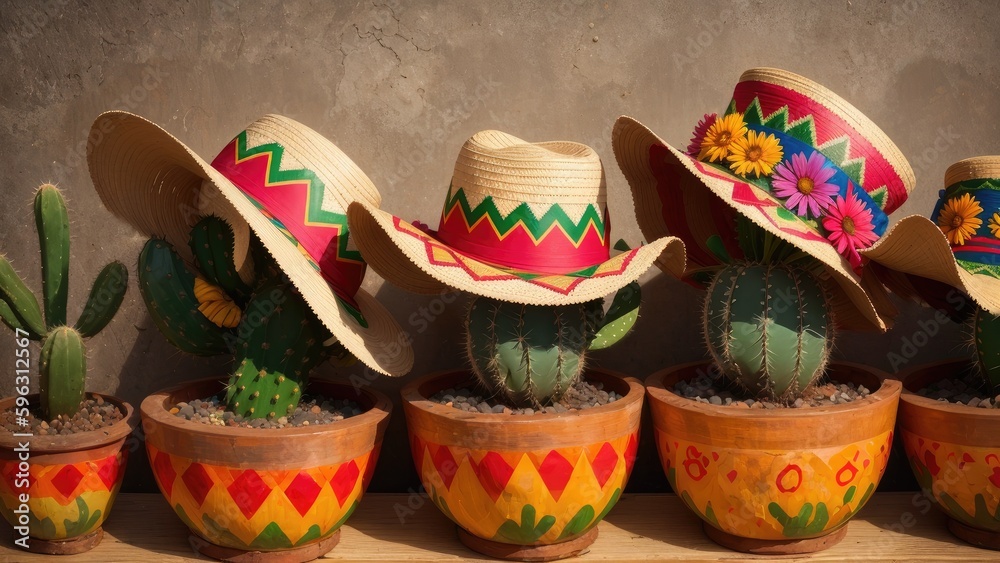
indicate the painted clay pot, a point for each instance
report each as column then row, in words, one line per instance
column 521, row 487
column 263, row 494
column 774, row 481
column 954, row 451
column 71, row 484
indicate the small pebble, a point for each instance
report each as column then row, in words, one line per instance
column 595, row 39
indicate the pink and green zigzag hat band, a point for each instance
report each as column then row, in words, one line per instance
column 292, row 200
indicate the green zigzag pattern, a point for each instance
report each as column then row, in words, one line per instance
column 317, row 189
column 804, row 129
column 522, row 215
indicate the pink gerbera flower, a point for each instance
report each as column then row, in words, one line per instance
column 804, row 181
column 850, row 226
column 699, row 133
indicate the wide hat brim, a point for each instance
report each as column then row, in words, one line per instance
column 858, row 302
column 153, row 181
column 416, row 261
column 918, row 247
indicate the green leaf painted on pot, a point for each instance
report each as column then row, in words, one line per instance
column 867, row 495
column 220, row 534
column 271, row 537
column 850, row 494
column 710, row 515
column 611, row 504
column 46, row 525
column 579, row 523
column 313, row 533
column 923, row 475
column 441, row 503
column 343, row 519
column 527, row 532
column 85, row 523
column 800, row 526
column 672, row 478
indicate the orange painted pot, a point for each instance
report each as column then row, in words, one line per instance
column 71, row 481
column 954, row 451
column 774, row 481
column 524, row 487
column 272, row 491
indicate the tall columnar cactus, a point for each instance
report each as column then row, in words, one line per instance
column 768, row 328
column 531, row 355
column 63, row 362
column 275, row 338
column 986, row 338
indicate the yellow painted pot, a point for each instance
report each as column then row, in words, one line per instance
column 954, row 451
column 774, row 481
column 263, row 490
column 519, row 484
column 70, row 483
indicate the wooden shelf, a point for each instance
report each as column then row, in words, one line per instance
column 640, row 528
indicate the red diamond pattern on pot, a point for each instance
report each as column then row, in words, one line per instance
column 198, row 482
column 165, row 472
column 445, row 464
column 108, row 471
column 11, row 476
column 66, row 480
column 302, row 492
column 555, row 471
column 249, row 491
column 604, row 463
column 630, row 451
column 494, row 473
column 344, row 480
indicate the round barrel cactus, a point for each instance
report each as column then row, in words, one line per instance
column 768, row 328
column 986, row 335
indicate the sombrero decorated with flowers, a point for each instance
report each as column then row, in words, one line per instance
column 960, row 244
column 522, row 222
column 795, row 159
column 278, row 178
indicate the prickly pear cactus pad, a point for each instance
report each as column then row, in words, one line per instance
column 768, row 328
column 64, row 356
column 274, row 336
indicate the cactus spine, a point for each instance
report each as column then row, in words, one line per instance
column 767, row 328
column 274, row 336
column 531, row 355
column 63, row 362
column 986, row 334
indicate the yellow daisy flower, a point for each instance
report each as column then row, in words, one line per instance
column 959, row 218
column 995, row 225
column 720, row 137
column 757, row 152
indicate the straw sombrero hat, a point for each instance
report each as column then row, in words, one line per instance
column 960, row 244
column 284, row 181
column 522, row 222
column 795, row 159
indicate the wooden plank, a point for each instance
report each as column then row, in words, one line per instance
column 893, row 527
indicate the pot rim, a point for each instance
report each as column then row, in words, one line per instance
column 412, row 396
column 79, row 441
column 913, row 398
column 889, row 390
column 154, row 408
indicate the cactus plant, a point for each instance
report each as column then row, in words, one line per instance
column 767, row 327
column 530, row 355
column 63, row 363
column 986, row 339
column 275, row 338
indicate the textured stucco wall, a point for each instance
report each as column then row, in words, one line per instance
column 400, row 85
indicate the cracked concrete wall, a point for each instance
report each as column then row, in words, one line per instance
column 400, row 85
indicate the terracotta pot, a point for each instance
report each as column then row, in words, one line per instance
column 954, row 451
column 278, row 494
column 774, row 481
column 524, row 487
column 73, row 481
